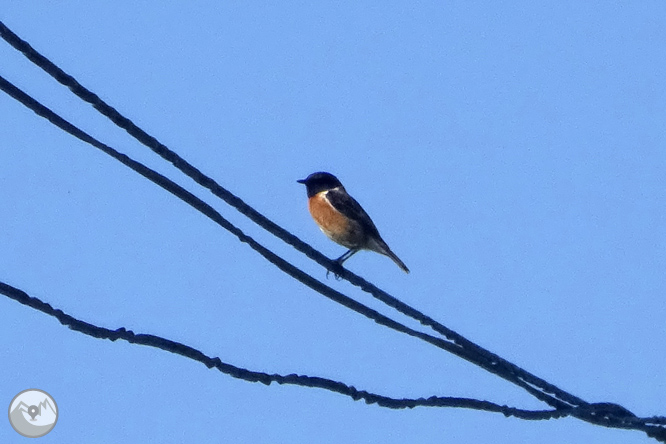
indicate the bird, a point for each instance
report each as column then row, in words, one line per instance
column 342, row 219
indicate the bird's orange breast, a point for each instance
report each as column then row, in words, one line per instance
column 333, row 223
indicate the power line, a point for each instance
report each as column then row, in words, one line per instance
column 608, row 411
column 265, row 378
column 606, row 414
column 462, row 346
column 492, row 364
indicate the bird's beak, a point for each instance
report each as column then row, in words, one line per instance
column 301, row 181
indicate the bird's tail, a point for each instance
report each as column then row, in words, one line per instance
column 380, row 246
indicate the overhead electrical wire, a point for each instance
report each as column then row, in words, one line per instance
column 467, row 349
column 267, row 378
column 606, row 414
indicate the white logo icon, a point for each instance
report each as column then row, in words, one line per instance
column 33, row 413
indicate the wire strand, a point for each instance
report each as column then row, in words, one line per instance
column 468, row 349
column 265, row 378
column 283, row 265
column 459, row 345
column 586, row 412
column 612, row 412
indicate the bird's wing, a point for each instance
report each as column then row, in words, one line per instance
column 348, row 206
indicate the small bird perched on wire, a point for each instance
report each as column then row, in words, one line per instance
column 343, row 219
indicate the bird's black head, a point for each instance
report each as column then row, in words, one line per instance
column 318, row 182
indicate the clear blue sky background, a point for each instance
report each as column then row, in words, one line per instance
column 513, row 154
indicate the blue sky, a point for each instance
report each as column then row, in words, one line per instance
column 512, row 155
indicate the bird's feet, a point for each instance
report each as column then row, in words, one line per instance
column 336, row 269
